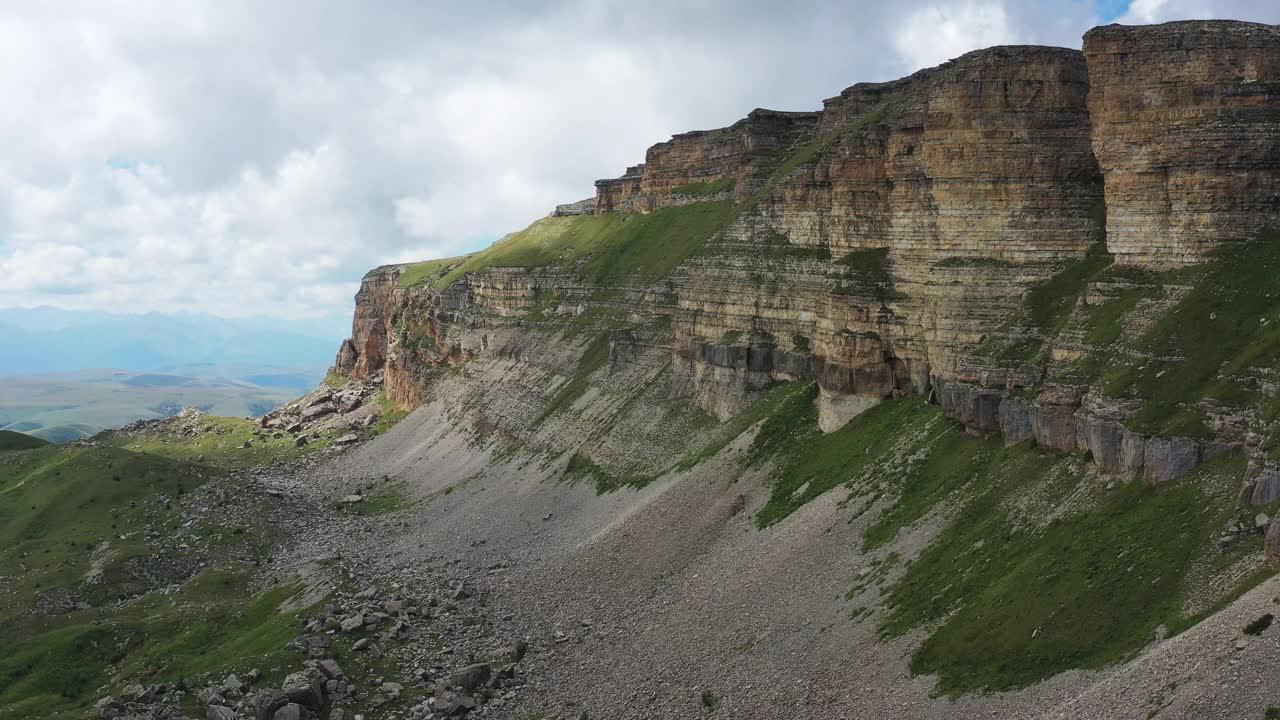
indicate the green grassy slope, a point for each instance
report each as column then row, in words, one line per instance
column 87, row 537
column 604, row 249
column 10, row 440
column 1039, row 567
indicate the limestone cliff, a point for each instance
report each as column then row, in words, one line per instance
column 960, row 234
column 1186, row 124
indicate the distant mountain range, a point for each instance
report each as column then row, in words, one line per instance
column 64, row 375
column 44, row 340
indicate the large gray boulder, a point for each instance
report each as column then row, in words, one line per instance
column 305, row 687
column 219, row 712
column 472, row 676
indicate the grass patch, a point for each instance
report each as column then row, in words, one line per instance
column 1010, row 596
column 10, row 440
column 73, row 521
column 220, row 443
column 388, row 414
column 430, row 271
column 604, row 249
column 866, row 273
column 704, row 189
column 1103, row 323
column 1050, row 303
column 1228, row 324
column 593, row 358
column 1015, row 604
column 808, row 462
column 57, row 504
column 724, row 433
column 582, row 468
column 207, row 627
column 778, row 246
column 385, row 501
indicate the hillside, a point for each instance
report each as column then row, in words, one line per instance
column 956, row 398
column 1064, row 268
column 10, row 440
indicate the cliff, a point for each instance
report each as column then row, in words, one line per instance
column 1186, row 126
column 995, row 234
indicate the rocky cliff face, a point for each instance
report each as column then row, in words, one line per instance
column 949, row 234
column 1186, row 125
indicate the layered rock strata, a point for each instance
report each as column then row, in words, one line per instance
column 879, row 242
column 1186, row 126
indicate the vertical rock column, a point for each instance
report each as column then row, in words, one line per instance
column 1186, row 126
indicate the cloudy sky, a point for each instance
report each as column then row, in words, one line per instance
column 256, row 157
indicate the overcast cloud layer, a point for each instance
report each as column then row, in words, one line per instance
column 258, row 157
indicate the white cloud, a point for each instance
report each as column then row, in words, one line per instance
column 236, row 157
column 937, row 33
column 1143, row 12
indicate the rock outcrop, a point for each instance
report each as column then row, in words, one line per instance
column 885, row 243
column 1186, row 126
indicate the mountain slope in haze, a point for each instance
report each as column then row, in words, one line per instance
column 65, row 406
column 45, row 340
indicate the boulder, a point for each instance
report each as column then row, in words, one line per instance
column 135, row 693
column 518, row 649
column 330, row 669
column 267, row 702
column 304, row 687
column 316, row 411
column 219, row 712
column 293, row 711
column 320, row 399
column 346, row 440
column 211, row 696
column 353, row 623
column 460, row 705
column 472, row 676
column 107, row 708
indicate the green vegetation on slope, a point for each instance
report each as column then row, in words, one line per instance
column 1051, row 302
column 76, row 538
column 703, row 189
column 53, row 668
column 430, row 271
column 1018, row 603
column 807, row 462
column 1209, row 343
column 604, row 249
column 60, row 504
column 593, row 358
column 10, row 440
column 1038, row 568
column 867, row 272
column 220, row 443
